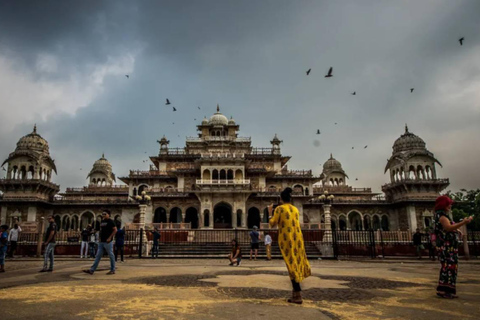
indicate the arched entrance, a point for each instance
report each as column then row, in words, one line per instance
column 376, row 223
column 355, row 221
column 176, row 215
column 239, row 218
column 253, row 218
column 342, row 223
column 86, row 219
column 385, row 224
column 222, row 216
column 191, row 215
column 206, row 218
column 160, row 215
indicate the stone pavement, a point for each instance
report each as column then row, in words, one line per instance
column 209, row 289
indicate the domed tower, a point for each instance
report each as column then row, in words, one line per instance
column 29, row 171
column 101, row 173
column 413, row 177
column 333, row 173
column 218, row 127
column 276, row 144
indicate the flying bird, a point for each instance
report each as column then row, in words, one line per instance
column 168, row 102
column 173, row 122
column 174, row 109
column 335, row 123
column 354, row 93
column 353, row 148
column 318, row 131
column 329, row 73
column 195, row 119
column 356, row 179
column 411, row 90
column 127, row 76
column 198, row 108
column 365, row 147
column 308, row 71
column 461, row 40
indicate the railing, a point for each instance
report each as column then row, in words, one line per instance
column 261, row 151
column 168, row 191
column 421, row 181
column 173, row 152
column 223, row 182
column 295, row 173
column 340, row 189
column 100, row 189
column 211, row 138
column 136, row 173
column 91, row 200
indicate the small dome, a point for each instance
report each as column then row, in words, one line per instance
column 218, row 119
column 102, row 162
column 408, row 141
column 231, row 121
column 33, row 142
column 205, row 121
column 332, row 163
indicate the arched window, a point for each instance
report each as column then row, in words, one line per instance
column 298, row 189
column 30, row 173
column 385, row 224
column 215, row 174
column 420, row 173
column 230, row 174
column 238, row 174
column 142, row 188
column 223, row 174
column 207, row 175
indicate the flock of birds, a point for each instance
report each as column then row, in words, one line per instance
column 328, row 75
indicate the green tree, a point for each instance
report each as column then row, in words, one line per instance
column 466, row 203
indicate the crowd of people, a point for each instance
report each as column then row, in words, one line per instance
column 109, row 239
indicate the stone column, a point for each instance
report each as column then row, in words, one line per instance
column 234, row 218
column 41, row 227
column 244, row 219
column 143, row 209
column 210, row 220
column 328, row 223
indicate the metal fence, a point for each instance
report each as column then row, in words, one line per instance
column 331, row 243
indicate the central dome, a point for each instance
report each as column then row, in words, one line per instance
column 218, row 119
column 408, row 141
column 33, row 142
column 332, row 163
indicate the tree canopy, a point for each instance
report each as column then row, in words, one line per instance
column 466, row 203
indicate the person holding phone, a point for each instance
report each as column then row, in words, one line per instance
column 447, row 236
column 290, row 240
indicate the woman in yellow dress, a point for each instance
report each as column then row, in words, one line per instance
column 290, row 240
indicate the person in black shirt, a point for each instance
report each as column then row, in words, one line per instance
column 235, row 256
column 119, row 242
column 49, row 245
column 156, row 238
column 107, row 233
column 417, row 242
column 84, row 248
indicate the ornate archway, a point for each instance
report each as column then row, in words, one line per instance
column 253, row 218
column 222, row 216
column 191, row 215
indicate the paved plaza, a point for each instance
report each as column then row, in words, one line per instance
column 209, row 289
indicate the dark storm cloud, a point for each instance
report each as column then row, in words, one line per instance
column 251, row 57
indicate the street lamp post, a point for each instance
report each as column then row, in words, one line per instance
column 143, row 201
column 327, row 201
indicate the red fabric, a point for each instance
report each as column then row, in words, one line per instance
column 442, row 203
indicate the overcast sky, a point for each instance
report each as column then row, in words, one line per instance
column 63, row 66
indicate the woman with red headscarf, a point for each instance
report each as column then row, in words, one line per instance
column 446, row 232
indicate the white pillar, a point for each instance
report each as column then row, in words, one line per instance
column 328, row 223
column 411, row 217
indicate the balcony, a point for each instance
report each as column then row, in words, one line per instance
column 202, row 139
column 341, row 189
column 223, row 182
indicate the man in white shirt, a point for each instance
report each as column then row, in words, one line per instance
column 13, row 238
column 268, row 246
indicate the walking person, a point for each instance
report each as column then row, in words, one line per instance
column 156, row 239
column 84, row 246
column 254, row 242
column 119, row 242
column 290, row 240
column 447, row 247
column 3, row 246
column 13, row 237
column 268, row 246
column 235, row 256
column 107, row 233
column 417, row 242
column 49, row 245
column 432, row 244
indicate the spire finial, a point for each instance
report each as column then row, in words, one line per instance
column 103, row 154
column 218, row 108
column 406, row 128
column 35, row 128
column 331, row 156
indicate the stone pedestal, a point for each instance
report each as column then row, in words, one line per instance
column 327, row 237
column 145, row 246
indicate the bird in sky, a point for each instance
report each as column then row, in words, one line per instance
column 411, row 90
column 198, row 108
column 356, row 179
column 308, row 71
column 354, row 93
column 145, row 151
column 173, row 122
column 168, row 102
column 80, row 168
column 318, row 131
column 127, row 76
column 329, row 73
column 461, row 40
column 179, row 136
column 353, row 148
column 174, row 109
column 365, row 147
column 195, row 119
column 335, row 123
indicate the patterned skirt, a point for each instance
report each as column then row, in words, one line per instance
column 448, row 257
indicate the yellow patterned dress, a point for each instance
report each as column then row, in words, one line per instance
column 290, row 240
